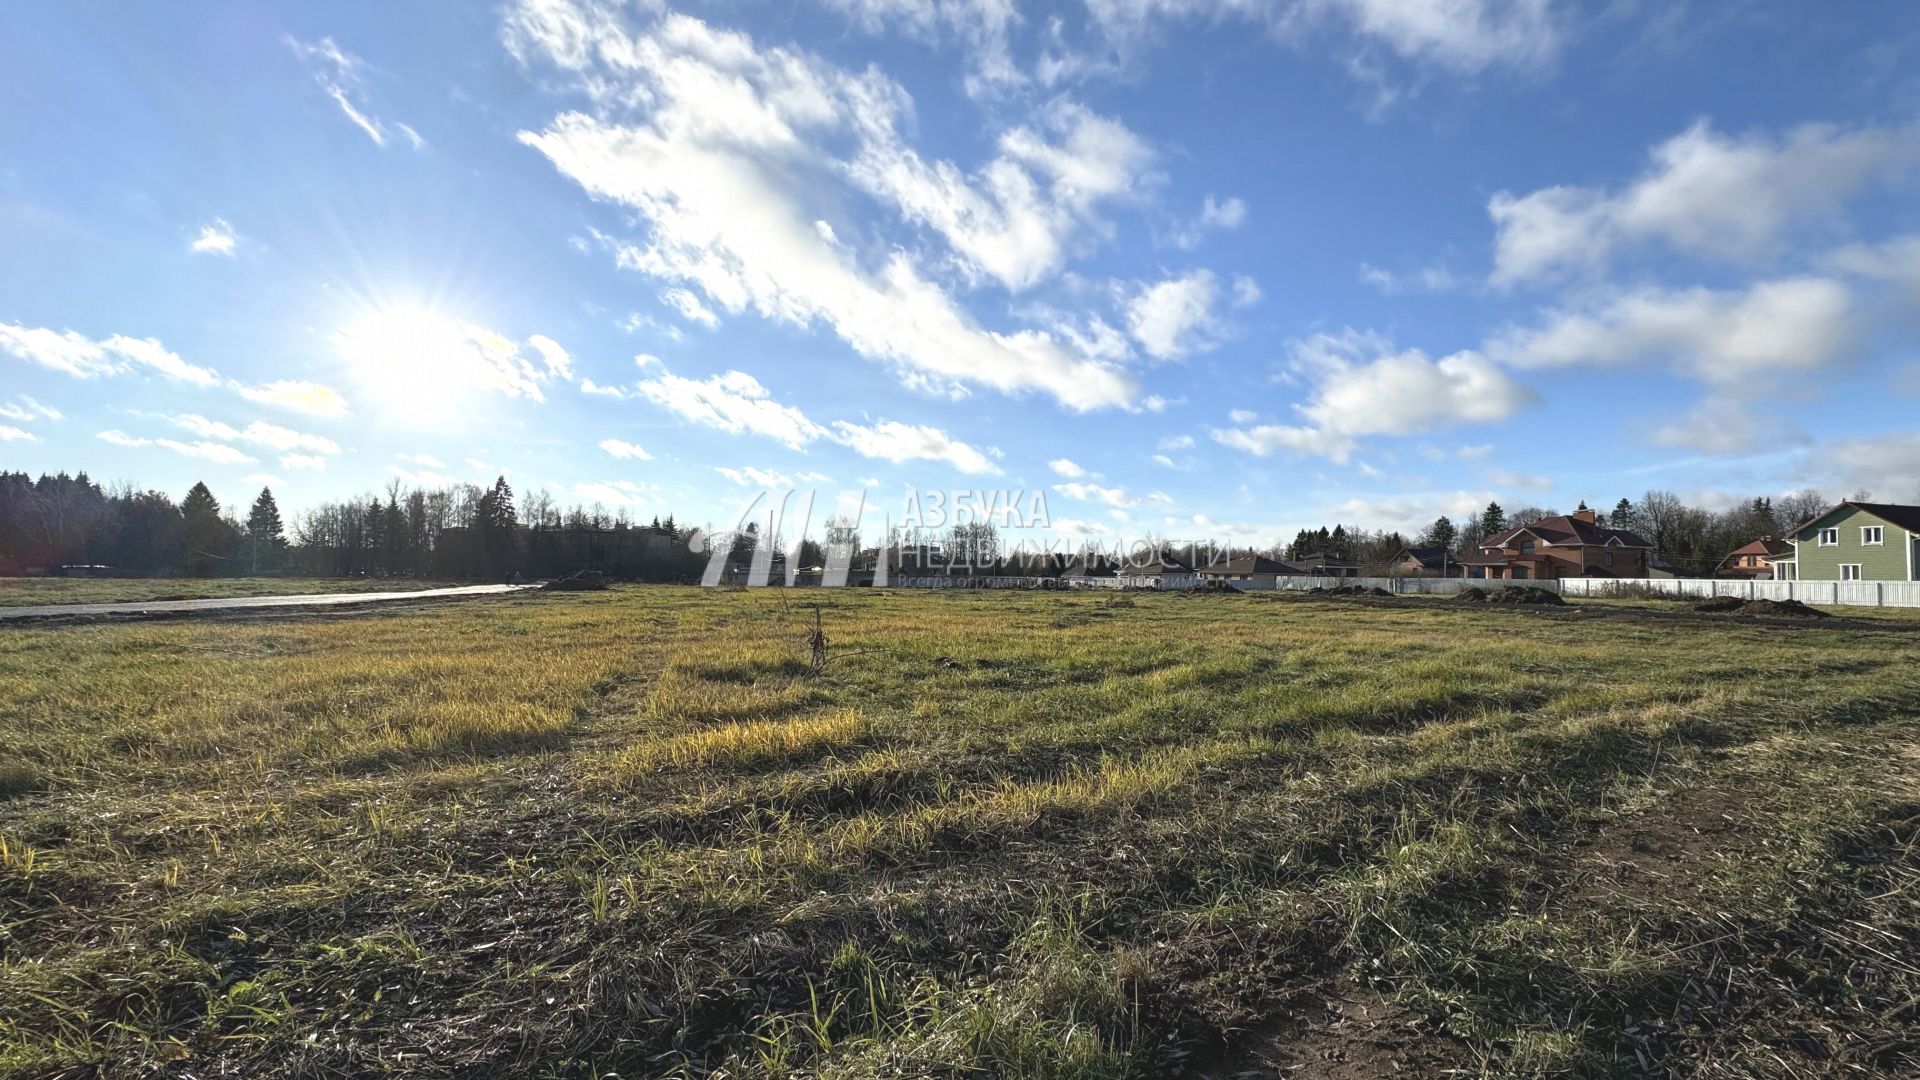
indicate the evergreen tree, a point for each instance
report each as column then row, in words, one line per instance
column 1337, row 543
column 1440, row 534
column 498, row 505
column 1493, row 520
column 266, row 536
column 205, row 531
column 1622, row 515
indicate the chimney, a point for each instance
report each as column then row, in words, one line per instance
column 1584, row 514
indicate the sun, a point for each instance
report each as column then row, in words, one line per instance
column 412, row 361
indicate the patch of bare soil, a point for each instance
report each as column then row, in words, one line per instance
column 1733, row 605
column 1648, row 852
column 1343, row 1032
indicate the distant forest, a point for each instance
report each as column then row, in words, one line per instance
column 1690, row 540
column 464, row 531
column 473, row 532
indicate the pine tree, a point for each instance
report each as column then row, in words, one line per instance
column 201, row 513
column 1493, row 520
column 1622, row 515
column 499, row 506
column 265, row 534
column 1440, row 534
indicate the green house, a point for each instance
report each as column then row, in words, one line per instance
column 1855, row 541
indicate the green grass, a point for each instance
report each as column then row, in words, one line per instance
column 25, row 592
column 1019, row 835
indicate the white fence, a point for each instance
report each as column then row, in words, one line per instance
column 1401, row 586
column 1830, row 593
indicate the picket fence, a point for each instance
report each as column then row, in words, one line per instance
column 1824, row 593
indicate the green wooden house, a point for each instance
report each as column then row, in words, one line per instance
column 1855, row 541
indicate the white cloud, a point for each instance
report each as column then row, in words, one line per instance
column 1179, row 442
column 622, row 449
column 755, row 477
column 298, row 396
column 1774, row 327
column 559, row 364
column 85, row 358
column 218, row 453
column 270, row 436
column 1362, row 386
column 729, row 167
column 423, row 478
column 1246, row 291
column 1408, row 513
column 1461, row 36
column 1223, row 216
column 302, row 461
column 588, row 386
column 1016, row 220
column 1431, row 279
column 1242, row 416
column 1522, row 481
column 424, row 460
column 27, row 410
column 1117, row 498
column 1732, row 198
column 1067, row 468
column 9, row 433
column 1888, row 465
column 1174, row 318
column 340, row 75
column 216, row 238
column 419, row 355
column 734, row 402
column 890, row 440
column 690, row 307
column 1464, row 36
column 612, row 493
column 205, row 449
column 1726, row 425
column 1897, row 260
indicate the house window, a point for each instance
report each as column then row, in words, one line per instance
column 1609, row 558
column 1526, row 547
column 1873, row 534
column 1829, row 537
column 1850, row 571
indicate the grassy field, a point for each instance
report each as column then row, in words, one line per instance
column 23, row 592
column 636, row 832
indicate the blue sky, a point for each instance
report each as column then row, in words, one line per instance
column 1219, row 270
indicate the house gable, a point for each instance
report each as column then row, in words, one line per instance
column 1889, row 559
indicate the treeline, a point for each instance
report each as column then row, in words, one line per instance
column 1691, row 540
column 464, row 531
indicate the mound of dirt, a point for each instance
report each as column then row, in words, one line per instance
column 1789, row 608
column 584, row 581
column 1527, row 594
column 1348, row 590
column 1473, row 594
column 1733, row 605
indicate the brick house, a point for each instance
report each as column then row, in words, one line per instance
column 1755, row 560
column 1425, row 562
column 1568, row 545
